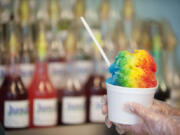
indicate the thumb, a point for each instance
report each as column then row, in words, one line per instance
column 138, row 109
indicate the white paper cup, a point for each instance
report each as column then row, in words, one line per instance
column 118, row 96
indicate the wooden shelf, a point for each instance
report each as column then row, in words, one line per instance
column 86, row 129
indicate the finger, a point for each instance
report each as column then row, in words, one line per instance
column 105, row 109
column 146, row 114
column 124, row 127
column 137, row 109
column 137, row 128
column 108, row 123
column 104, row 105
column 104, row 100
column 120, row 131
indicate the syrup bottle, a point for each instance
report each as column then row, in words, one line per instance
column 104, row 12
column 128, row 17
column 95, row 90
column 13, row 95
column 145, row 41
column 79, row 9
column 73, row 100
column 27, row 45
column 27, row 56
column 83, row 53
column 56, row 51
column 172, row 74
column 70, row 47
column 119, row 38
column 130, row 23
column 163, row 92
column 83, row 50
column 105, row 27
column 42, row 94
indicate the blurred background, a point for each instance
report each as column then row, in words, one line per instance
column 50, row 31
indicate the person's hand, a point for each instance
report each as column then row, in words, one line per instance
column 155, row 120
column 153, row 123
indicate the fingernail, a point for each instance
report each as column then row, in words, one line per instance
column 120, row 131
column 108, row 123
column 129, row 107
column 126, row 108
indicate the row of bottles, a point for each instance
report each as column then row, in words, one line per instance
column 41, row 104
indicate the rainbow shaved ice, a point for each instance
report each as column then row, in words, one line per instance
column 134, row 70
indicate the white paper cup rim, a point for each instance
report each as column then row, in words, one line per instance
column 120, row 89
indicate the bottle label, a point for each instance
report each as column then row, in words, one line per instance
column 27, row 71
column 96, row 114
column 73, row 110
column 2, row 73
column 83, row 68
column 45, row 112
column 16, row 114
column 56, row 71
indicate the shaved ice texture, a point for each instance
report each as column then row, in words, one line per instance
column 134, row 70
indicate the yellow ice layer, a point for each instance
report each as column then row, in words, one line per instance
column 135, row 76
